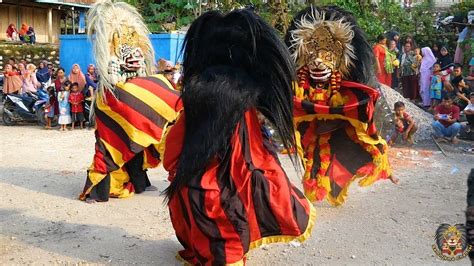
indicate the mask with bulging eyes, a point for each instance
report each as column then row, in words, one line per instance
column 128, row 58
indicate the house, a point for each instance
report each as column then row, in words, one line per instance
column 49, row 18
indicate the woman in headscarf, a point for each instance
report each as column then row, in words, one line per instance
column 13, row 82
column 445, row 60
column 76, row 75
column 30, row 84
column 395, row 36
column 435, row 48
column 23, row 31
column 91, row 80
column 43, row 75
column 12, row 33
column 425, row 75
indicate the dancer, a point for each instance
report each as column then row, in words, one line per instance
column 228, row 191
column 334, row 104
column 131, row 111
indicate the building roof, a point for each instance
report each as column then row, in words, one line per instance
column 81, row 4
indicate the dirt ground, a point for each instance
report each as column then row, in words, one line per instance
column 42, row 222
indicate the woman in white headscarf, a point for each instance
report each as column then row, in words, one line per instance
column 425, row 75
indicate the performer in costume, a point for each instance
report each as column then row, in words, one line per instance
column 228, row 191
column 131, row 111
column 334, row 104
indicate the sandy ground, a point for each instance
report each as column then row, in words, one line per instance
column 42, row 222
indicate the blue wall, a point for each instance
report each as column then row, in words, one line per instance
column 78, row 49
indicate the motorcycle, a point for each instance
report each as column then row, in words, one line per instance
column 27, row 108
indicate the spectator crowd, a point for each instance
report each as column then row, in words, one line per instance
column 66, row 94
column 26, row 34
column 431, row 78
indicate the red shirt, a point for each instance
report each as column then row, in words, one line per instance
column 453, row 111
column 76, row 99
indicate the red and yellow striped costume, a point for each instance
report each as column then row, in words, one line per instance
column 129, row 120
column 242, row 201
column 339, row 142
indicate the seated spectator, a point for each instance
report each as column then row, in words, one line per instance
column 469, row 112
column 23, row 33
column 445, row 125
column 12, row 80
column 404, row 125
column 31, row 35
column 12, row 33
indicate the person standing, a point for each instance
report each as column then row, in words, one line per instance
column 380, row 52
column 64, row 106
column 76, row 99
column 91, row 81
column 392, row 63
column 427, row 62
column 77, row 76
column 408, row 73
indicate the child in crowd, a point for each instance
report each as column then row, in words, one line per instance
column 76, row 98
column 64, row 106
column 49, row 107
column 436, row 86
column 416, row 65
column 404, row 125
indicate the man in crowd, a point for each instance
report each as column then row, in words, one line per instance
column 460, row 90
column 445, row 125
column 469, row 112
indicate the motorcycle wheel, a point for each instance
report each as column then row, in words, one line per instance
column 40, row 116
column 7, row 119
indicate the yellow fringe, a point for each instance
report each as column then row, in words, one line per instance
column 273, row 239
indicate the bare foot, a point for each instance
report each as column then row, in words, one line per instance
column 455, row 140
column 151, row 188
column 394, row 180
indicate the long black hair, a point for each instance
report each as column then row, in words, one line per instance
column 231, row 63
column 363, row 69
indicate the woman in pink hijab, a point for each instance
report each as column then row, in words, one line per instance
column 30, row 83
column 76, row 75
column 425, row 75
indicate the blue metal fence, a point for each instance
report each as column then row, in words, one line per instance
column 77, row 49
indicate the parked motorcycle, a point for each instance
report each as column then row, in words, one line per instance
column 27, row 108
